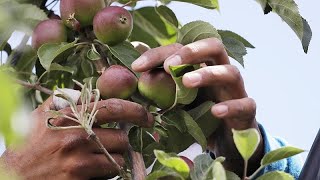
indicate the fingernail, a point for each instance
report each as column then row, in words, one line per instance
column 138, row 63
column 220, row 110
column 193, row 78
column 174, row 60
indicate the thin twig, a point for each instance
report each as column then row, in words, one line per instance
column 35, row 86
column 245, row 169
column 96, row 139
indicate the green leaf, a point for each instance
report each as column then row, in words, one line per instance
column 168, row 173
column 176, row 141
column 139, row 138
column 58, row 67
column 215, row 171
column 289, row 12
column 195, row 131
column 201, row 165
column 279, row 154
column 195, row 31
column 48, row 52
column 246, row 142
column 183, row 95
column 230, row 34
column 166, row 13
column 23, row 61
column 232, row 176
column 235, row 49
column 21, row 17
column 154, row 26
column 93, row 54
column 173, row 162
column 209, row 4
column 125, row 53
column 204, row 118
column 87, row 67
column 276, row 175
column 176, row 119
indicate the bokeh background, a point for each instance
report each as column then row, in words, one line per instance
column 284, row 81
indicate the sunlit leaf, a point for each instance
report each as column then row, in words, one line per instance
column 276, row 175
column 278, row 154
column 173, row 162
column 246, row 141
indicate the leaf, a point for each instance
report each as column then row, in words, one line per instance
column 230, row 34
column 87, row 67
column 125, row 53
column 204, row 118
column 235, row 49
column 201, row 164
column 152, row 25
column 139, row 138
column 195, row 31
column 279, row 154
column 276, row 175
column 209, row 4
column 176, row 119
column 195, row 131
column 176, row 141
column 166, row 13
column 289, row 12
column 48, row 52
column 93, row 54
column 21, row 17
column 172, row 175
column 246, row 142
column 232, row 176
column 58, row 67
column 183, row 95
column 23, row 61
column 173, row 162
column 215, row 171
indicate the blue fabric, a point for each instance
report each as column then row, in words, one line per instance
column 292, row 165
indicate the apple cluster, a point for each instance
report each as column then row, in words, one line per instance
column 111, row 25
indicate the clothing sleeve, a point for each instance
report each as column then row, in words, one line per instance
column 291, row 165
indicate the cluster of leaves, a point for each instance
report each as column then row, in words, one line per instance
column 173, row 167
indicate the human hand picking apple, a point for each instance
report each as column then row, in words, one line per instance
column 70, row 154
column 219, row 82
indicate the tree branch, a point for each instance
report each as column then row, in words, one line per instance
column 35, row 86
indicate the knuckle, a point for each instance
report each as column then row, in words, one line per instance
column 235, row 72
column 114, row 106
column 75, row 168
column 177, row 45
column 72, row 141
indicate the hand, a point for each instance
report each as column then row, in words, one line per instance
column 219, row 82
column 69, row 154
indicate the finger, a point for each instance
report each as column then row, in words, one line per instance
column 114, row 110
column 239, row 113
column 209, row 50
column 104, row 168
column 216, row 75
column 92, row 165
column 154, row 57
column 114, row 140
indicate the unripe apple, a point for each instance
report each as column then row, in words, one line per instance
column 83, row 10
column 49, row 31
column 112, row 25
column 117, row 82
column 188, row 161
column 158, row 86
